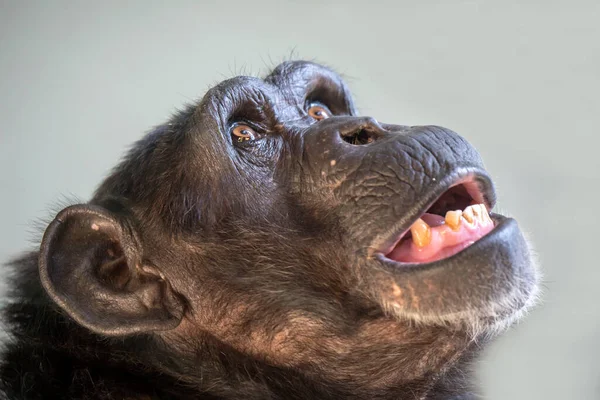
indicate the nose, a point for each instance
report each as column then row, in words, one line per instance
column 337, row 146
column 353, row 131
column 360, row 132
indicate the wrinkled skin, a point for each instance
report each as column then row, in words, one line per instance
column 205, row 267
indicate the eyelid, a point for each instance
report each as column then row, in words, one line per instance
column 328, row 92
column 256, row 127
column 313, row 103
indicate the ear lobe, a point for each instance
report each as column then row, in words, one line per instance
column 90, row 264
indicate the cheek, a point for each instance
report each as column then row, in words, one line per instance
column 288, row 340
column 259, row 156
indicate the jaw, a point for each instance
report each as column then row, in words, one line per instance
column 486, row 286
column 375, row 356
column 484, row 279
column 367, row 352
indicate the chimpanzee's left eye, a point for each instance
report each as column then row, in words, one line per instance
column 318, row 111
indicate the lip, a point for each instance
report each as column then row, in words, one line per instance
column 489, row 280
column 482, row 191
column 501, row 223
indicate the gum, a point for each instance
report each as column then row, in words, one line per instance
column 444, row 240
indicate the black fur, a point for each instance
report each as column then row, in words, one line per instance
column 210, row 268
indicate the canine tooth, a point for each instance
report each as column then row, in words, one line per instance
column 453, row 219
column 421, row 233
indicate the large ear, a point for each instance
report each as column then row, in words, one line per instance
column 91, row 266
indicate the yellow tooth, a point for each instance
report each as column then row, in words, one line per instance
column 468, row 214
column 421, row 233
column 453, row 219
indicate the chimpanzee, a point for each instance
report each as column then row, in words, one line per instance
column 270, row 243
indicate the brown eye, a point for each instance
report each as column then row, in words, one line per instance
column 243, row 133
column 318, row 112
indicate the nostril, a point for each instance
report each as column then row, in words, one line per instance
column 359, row 137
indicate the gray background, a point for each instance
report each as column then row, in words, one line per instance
column 80, row 82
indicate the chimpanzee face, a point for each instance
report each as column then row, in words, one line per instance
column 272, row 219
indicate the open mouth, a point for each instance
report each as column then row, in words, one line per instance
column 456, row 220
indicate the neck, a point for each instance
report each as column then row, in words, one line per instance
column 433, row 366
column 51, row 354
column 251, row 379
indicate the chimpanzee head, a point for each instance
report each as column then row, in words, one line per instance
column 271, row 222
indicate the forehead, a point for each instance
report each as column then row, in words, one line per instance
column 289, row 84
column 296, row 75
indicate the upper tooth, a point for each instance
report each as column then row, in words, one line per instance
column 421, row 233
column 453, row 219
